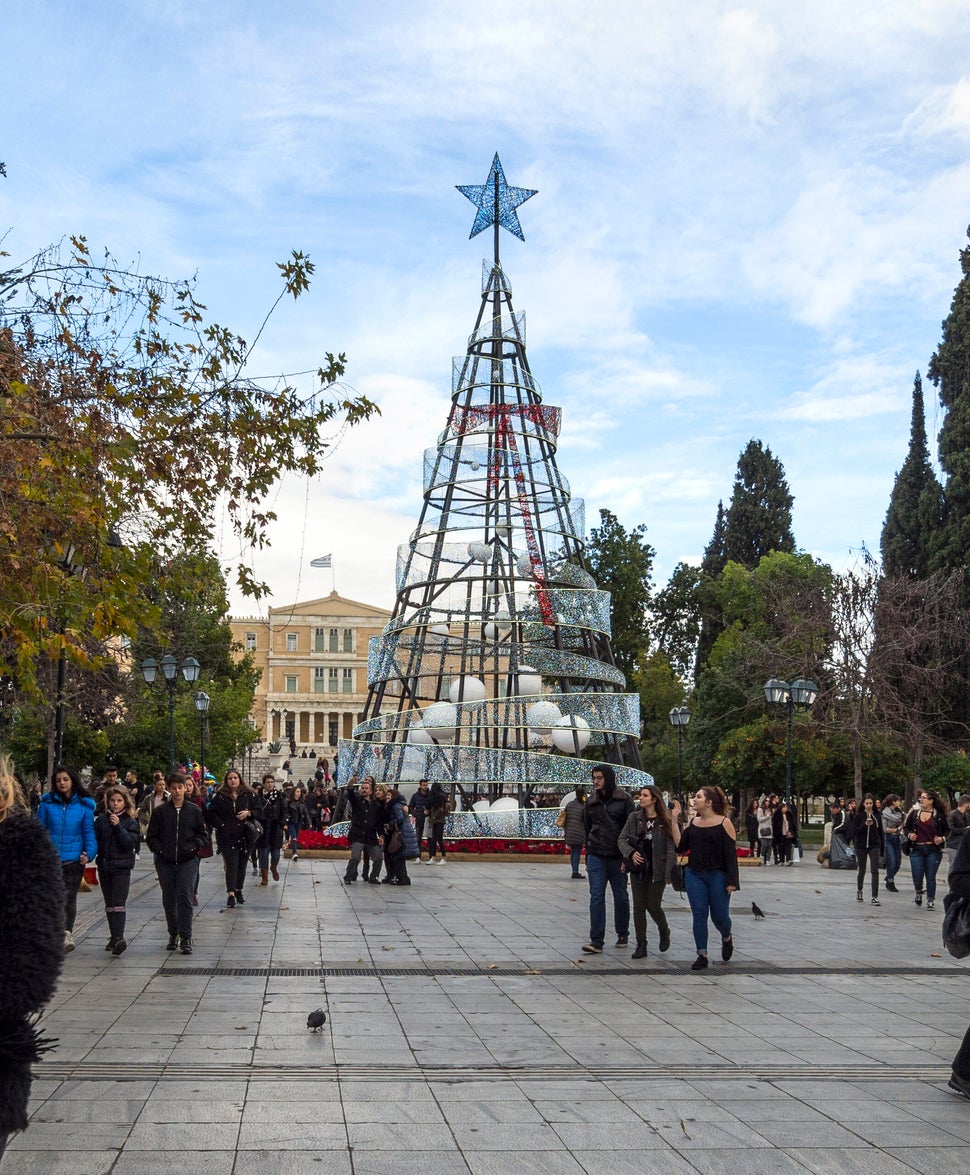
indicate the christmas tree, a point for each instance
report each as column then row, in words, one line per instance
column 495, row 671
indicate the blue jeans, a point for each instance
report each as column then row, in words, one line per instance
column 894, row 857
column 575, row 856
column 924, row 861
column 601, row 870
column 709, row 898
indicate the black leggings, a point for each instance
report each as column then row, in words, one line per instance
column 870, row 856
column 114, row 889
column 72, row 872
column 436, row 837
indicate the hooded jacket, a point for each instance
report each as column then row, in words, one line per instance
column 605, row 814
column 70, row 822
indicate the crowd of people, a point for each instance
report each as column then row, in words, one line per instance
column 632, row 847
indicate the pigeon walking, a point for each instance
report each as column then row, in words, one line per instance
column 316, row 1020
column 757, row 911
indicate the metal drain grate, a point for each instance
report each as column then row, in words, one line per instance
column 557, row 971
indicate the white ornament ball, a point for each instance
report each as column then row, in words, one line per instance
column 504, row 804
column 543, row 716
column 480, row 552
column 528, row 682
column 481, row 806
column 417, row 735
column 524, row 566
column 467, row 689
column 439, row 632
column 571, row 734
column 490, row 632
column 439, row 720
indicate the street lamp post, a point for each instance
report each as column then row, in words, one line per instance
column 170, row 671
column 800, row 693
column 202, row 705
column 679, row 717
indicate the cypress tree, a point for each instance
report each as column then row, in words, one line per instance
column 759, row 516
column 915, row 506
column 715, row 555
column 949, row 369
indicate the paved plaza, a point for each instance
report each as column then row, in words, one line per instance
column 466, row 1032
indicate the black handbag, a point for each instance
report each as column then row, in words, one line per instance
column 677, row 882
column 956, row 926
column 252, row 831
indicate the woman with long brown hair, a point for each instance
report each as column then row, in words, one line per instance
column 648, row 844
column 229, row 809
column 711, row 875
column 926, row 829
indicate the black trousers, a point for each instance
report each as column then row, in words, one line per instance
column 436, row 839
column 870, row 857
column 72, row 871
column 178, row 887
column 234, row 859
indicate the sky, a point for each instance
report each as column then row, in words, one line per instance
column 747, row 225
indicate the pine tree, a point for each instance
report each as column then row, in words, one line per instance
column 915, row 506
column 759, row 516
column 949, row 369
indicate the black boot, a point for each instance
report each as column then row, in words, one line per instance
column 640, row 952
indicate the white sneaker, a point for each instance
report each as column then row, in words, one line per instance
column 68, row 942
column 442, row 861
column 430, row 861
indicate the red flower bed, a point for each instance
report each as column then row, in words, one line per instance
column 484, row 844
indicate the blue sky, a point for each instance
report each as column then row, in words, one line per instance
column 747, row 225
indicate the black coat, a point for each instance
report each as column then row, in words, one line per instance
column 363, row 818
column 177, row 834
column 270, row 810
column 603, row 821
column 222, row 817
column 117, row 843
column 31, row 954
column 865, row 836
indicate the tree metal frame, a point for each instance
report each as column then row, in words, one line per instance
column 495, row 669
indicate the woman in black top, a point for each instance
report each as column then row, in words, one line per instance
column 926, row 829
column 229, row 809
column 711, row 875
column 865, row 832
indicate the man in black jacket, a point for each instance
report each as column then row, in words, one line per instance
column 176, row 832
column 604, row 816
column 364, row 812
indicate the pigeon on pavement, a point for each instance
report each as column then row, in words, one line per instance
column 757, row 911
column 316, row 1020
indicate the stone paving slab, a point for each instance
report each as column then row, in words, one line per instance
column 467, row 1033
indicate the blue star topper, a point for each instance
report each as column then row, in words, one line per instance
column 496, row 201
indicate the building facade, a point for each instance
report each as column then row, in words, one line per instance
column 312, row 659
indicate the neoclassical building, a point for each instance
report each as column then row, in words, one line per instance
column 313, row 662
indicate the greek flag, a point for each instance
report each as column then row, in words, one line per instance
column 323, row 561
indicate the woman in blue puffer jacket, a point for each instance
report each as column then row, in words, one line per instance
column 67, row 812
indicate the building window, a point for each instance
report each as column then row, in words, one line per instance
column 250, row 641
column 348, row 640
column 319, row 680
column 319, row 640
column 334, row 732
column 291, row 642
column 331, row 681
column 348, row 681
column 335, row 640
column 291, row 683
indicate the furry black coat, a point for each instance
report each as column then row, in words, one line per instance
column 31, row 954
